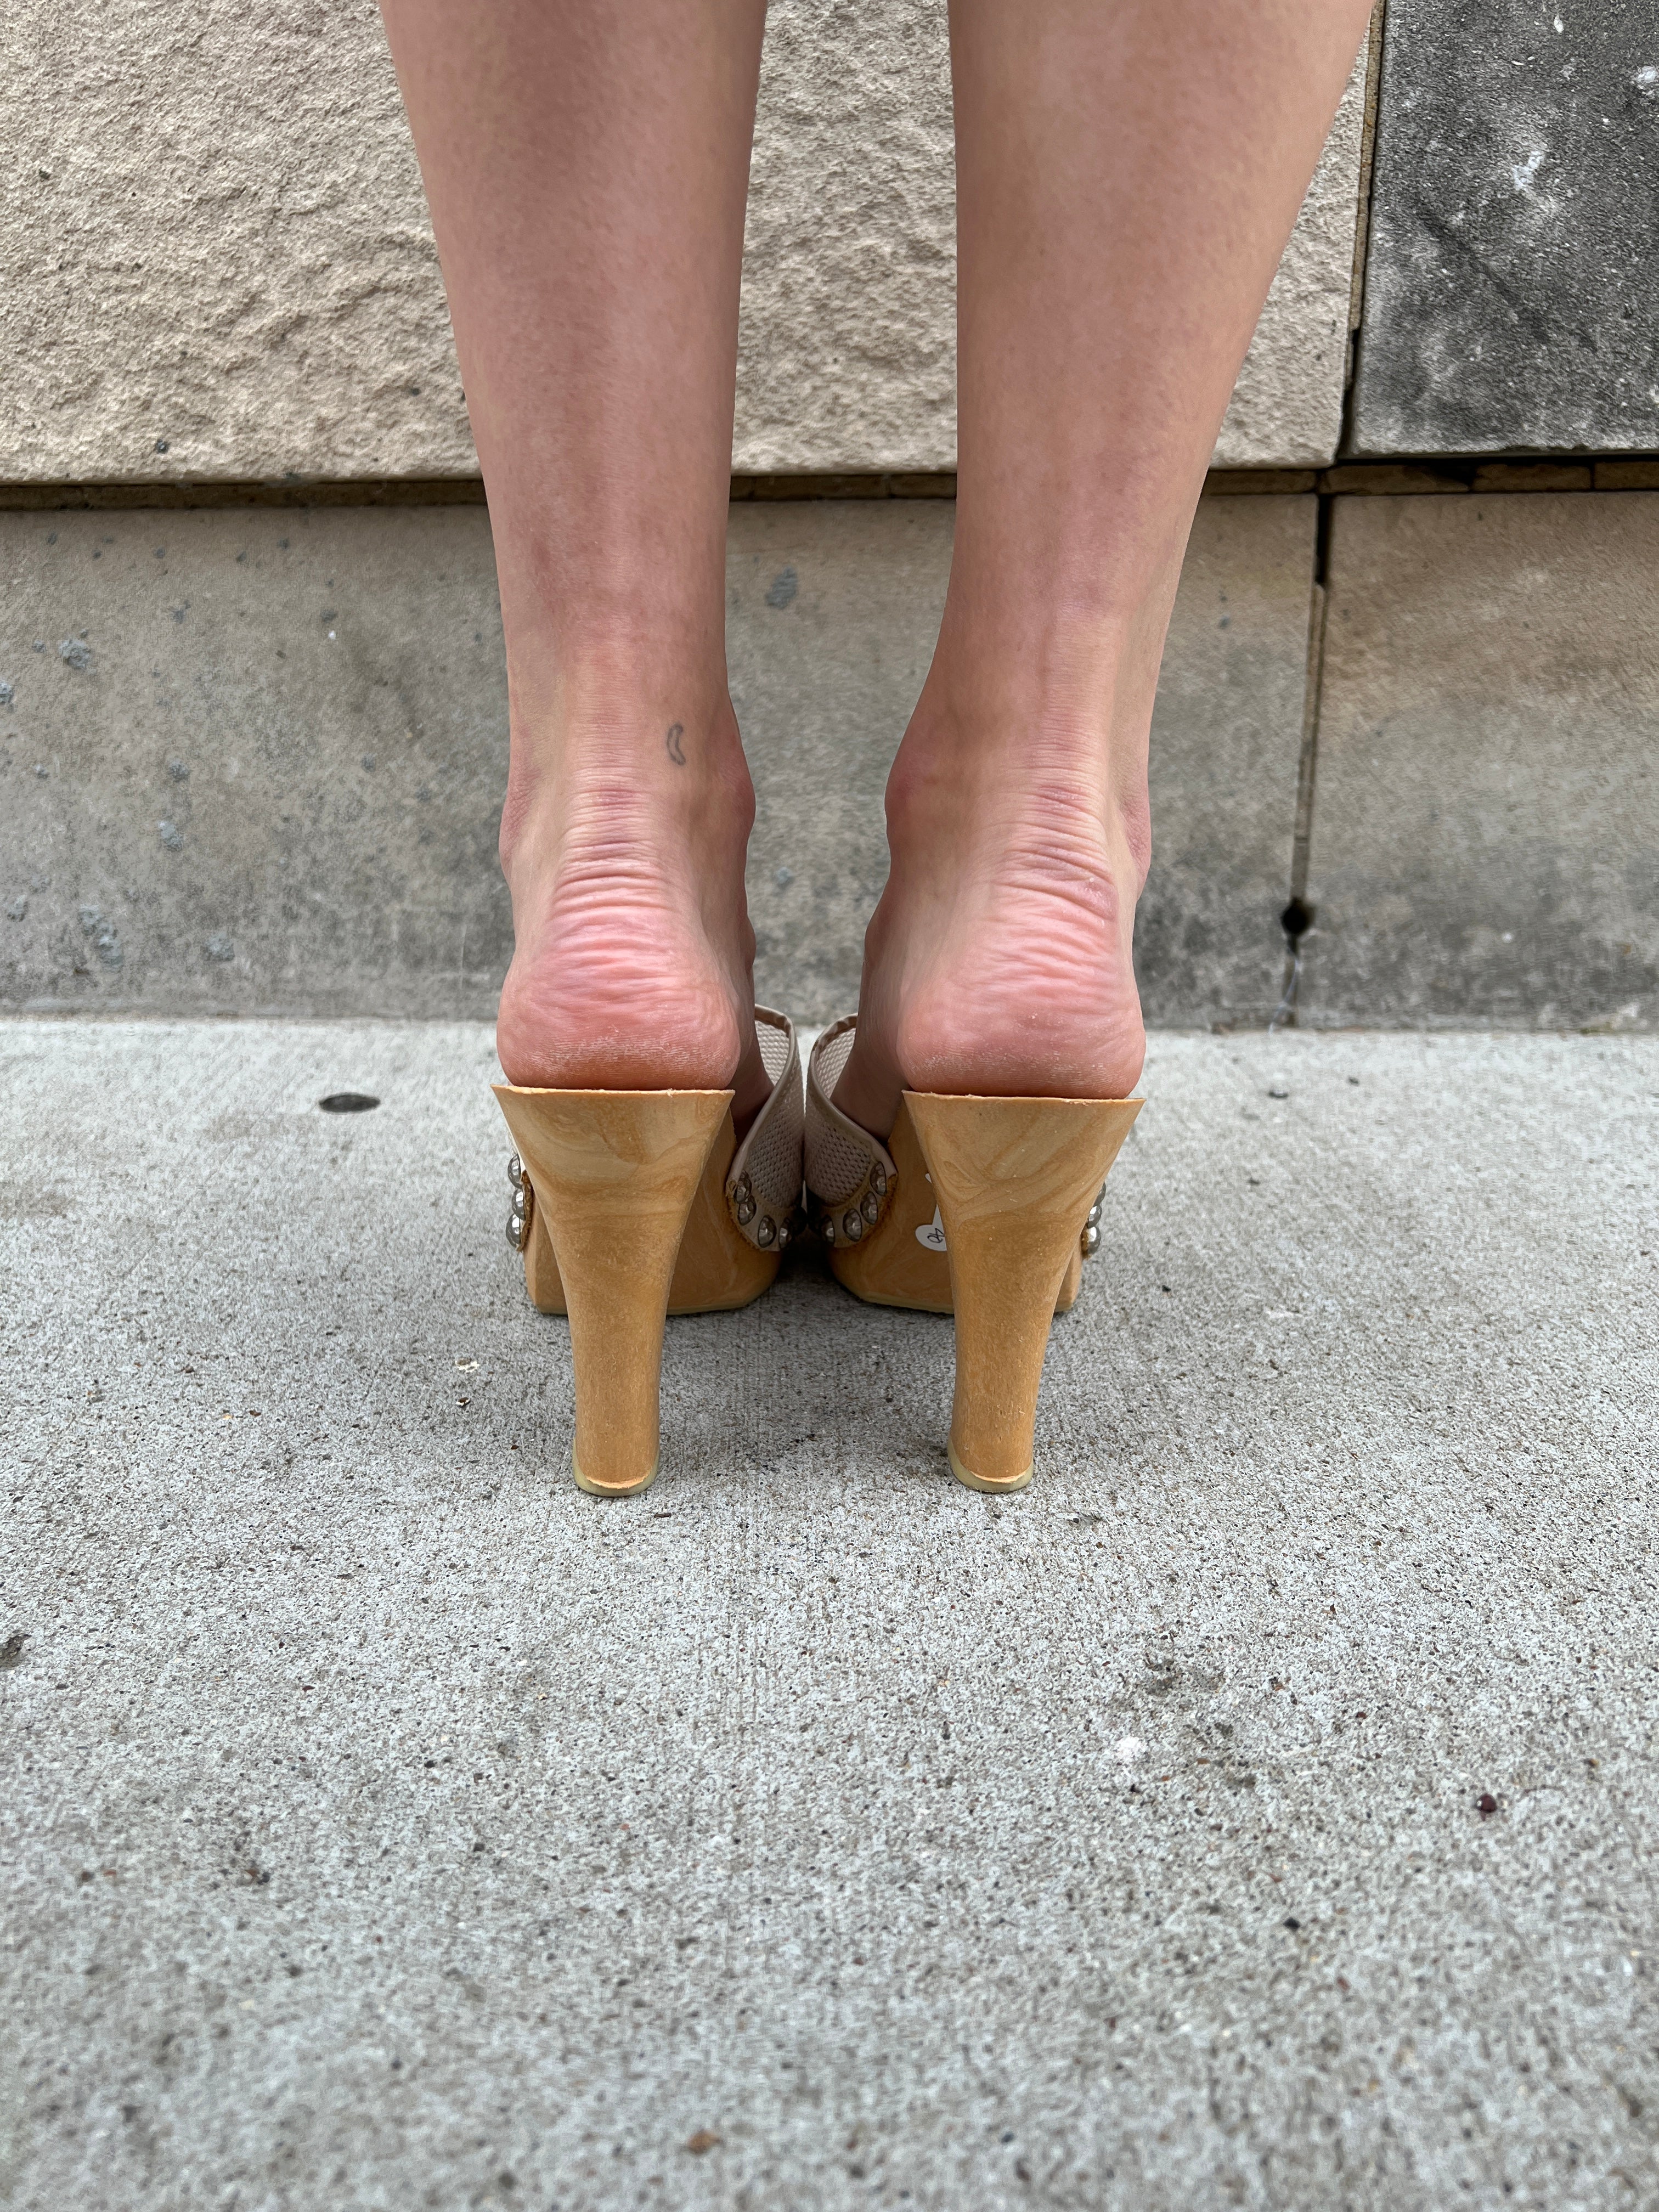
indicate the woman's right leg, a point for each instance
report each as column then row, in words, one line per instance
column 587, row 162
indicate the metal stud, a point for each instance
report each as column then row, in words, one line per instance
column 743, row 1187
column 744, row 1208
column 523, row 1206
column 870, row 1209
column 1090, row 1241
column 767, row 1231
column 827, row 1230
column 879, row 1180
column 1094, row 1215
column 783, row 1234
column 852, row 1224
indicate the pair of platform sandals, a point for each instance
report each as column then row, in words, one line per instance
column 628, row 1205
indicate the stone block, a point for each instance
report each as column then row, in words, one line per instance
column 832, row 611
column 252, row 758
column 218, row 259
column 1510, row 302
column 846, row 346
column 1286, row 407
column 1226, row 749
column 220, row 264
column 1485, row 840
column 847, row 358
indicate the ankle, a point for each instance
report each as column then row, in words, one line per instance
column 623, row 842
column 1059, row 783
column 612, row 747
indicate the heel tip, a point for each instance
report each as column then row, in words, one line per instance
column 613, row 1489
column 989, row 1486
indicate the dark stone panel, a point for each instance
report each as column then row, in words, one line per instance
column 1511, row 288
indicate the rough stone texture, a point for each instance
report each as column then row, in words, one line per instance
column 848, row 356
column 1486, row 831
column 242, row 811
column 1287, row 404
column 218, row 261
column 847, row 351
column 386, row 1824
column 219, row 264
column 1511, row 302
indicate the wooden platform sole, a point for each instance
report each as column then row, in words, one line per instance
column 715, row 1270
column 903, row 1262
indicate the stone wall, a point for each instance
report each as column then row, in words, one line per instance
column 252, row 707
column 1510, row 294
column 219, row 265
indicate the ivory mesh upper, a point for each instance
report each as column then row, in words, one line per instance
column 838, row 1153
column 770, row 1155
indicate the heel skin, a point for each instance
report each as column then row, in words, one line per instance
column 615, row 1175
column 1014, row 1179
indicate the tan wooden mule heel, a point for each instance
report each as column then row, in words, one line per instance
column 631, row 1205
column 615, row 1173
column 995, row 1231
column 1016, row 1179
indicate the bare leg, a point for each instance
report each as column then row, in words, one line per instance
column 1126, row 178
column 587, row 162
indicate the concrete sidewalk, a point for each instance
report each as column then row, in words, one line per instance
column 1261, row 1811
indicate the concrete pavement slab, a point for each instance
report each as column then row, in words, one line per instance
column 1259, row 1811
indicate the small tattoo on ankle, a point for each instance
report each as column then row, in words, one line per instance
column 676, row 749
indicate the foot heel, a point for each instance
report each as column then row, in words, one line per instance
column 615, row 1174
column 1015, row 1179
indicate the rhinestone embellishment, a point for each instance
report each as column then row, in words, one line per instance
column 1089, row 1243
column 518, row 1221
column 861, row 1210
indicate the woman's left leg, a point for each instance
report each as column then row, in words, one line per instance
column 1128, row 175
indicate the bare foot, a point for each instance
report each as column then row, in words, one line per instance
column 998, row 959
column 623, row 843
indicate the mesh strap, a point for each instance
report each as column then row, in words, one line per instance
column 770, row 1157
column 840, row 1155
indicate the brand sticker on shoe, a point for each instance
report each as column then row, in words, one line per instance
column 931, row 1233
